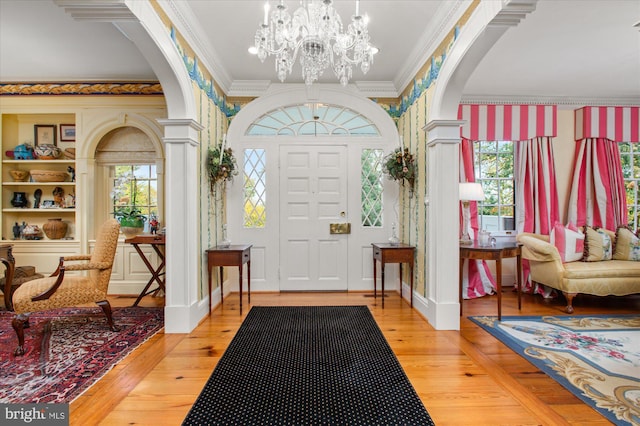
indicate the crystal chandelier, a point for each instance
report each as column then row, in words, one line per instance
column 315, row 33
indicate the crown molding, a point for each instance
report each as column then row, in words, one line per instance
column 248, row 88
column 186, row 23
column 377, row 89
column 563, row 102
column 97, row 10
column 447, row 15
column 513, row 12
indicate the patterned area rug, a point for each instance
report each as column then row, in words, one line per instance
column 595, row 357
column 68, row 350
column 327, row 365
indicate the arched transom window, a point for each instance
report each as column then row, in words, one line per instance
column 312, row 120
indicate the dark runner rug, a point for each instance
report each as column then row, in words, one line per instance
column 68, row 350
column 319, row 365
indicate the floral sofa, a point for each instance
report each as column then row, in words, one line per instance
column 587, row 260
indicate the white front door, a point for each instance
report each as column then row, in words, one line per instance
column 313, row 195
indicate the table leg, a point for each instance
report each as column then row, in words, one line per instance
column 499, row 285
column 249, row 281
column 400, row 268
column 240, row 283
column 411, row 296
column 374, row 278
column 209, row 272
column 221, row 284
column 519, row 279
column 382, row 278
column 460, row 284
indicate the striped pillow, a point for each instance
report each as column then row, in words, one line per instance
column 568, row 240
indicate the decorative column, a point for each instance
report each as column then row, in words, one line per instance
column 182, row 189
column 443, row 163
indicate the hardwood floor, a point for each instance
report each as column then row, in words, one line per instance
column 462, row 377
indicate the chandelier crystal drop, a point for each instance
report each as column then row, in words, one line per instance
column 314, row 32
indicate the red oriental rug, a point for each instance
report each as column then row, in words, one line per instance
column 68, row 350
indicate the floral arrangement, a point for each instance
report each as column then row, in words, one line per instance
column 221, row 164
column 400, row 165
column 127, row 214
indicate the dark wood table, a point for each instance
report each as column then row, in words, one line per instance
column 157, row 274
column 392, row 253
column 6, row 257
column 234, row 255
column 495, row 252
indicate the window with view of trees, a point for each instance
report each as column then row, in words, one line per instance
column 630, row 159
column 494, row 169
column 135, row 187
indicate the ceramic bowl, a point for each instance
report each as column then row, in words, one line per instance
column 19, row 175
column 47, row 151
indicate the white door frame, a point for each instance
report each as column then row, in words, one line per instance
column 265, row 250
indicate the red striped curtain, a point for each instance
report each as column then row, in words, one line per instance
column 477, row 280
column 597, row 191
column 536, row 196
column 536, row 192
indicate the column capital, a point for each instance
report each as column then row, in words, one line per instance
column 181, row 130
column 443, row 131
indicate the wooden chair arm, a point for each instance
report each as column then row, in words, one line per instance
column 8, row 281
column 47, row 294
column 59, row 272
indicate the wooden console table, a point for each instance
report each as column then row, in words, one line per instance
column 234, row 255
column 6, row 257
column 392, row 253
column 155, row 241
column 495, row 252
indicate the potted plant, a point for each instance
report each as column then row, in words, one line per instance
column 129, row 215
column 400, row 166
column 221, row 164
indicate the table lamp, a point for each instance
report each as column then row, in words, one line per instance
column 468, row 191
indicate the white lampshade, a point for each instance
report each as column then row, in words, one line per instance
column 471, row 191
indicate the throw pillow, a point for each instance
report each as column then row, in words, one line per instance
column 597, row 246
column 568, row 240
column 627, row 245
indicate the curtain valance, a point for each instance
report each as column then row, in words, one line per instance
column 507, row 122
column 619, row 124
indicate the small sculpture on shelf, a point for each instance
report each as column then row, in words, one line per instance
column 23, row 152
column 16, row 231
column 36, row 196
column 58, row 196
column 72, row 171
column 153, row 225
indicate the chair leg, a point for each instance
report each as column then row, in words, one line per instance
column 19, row 323
column 106, row 308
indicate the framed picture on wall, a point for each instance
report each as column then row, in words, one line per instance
column 44, row 134
column 67, row 133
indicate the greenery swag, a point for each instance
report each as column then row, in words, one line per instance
column 400, row 165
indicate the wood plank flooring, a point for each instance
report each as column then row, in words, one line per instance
column 462, row 377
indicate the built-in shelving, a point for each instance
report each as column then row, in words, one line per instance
column 16, row 130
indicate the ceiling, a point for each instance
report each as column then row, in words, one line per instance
column 566, row 52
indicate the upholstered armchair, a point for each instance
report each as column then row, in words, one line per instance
column 62, row 290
